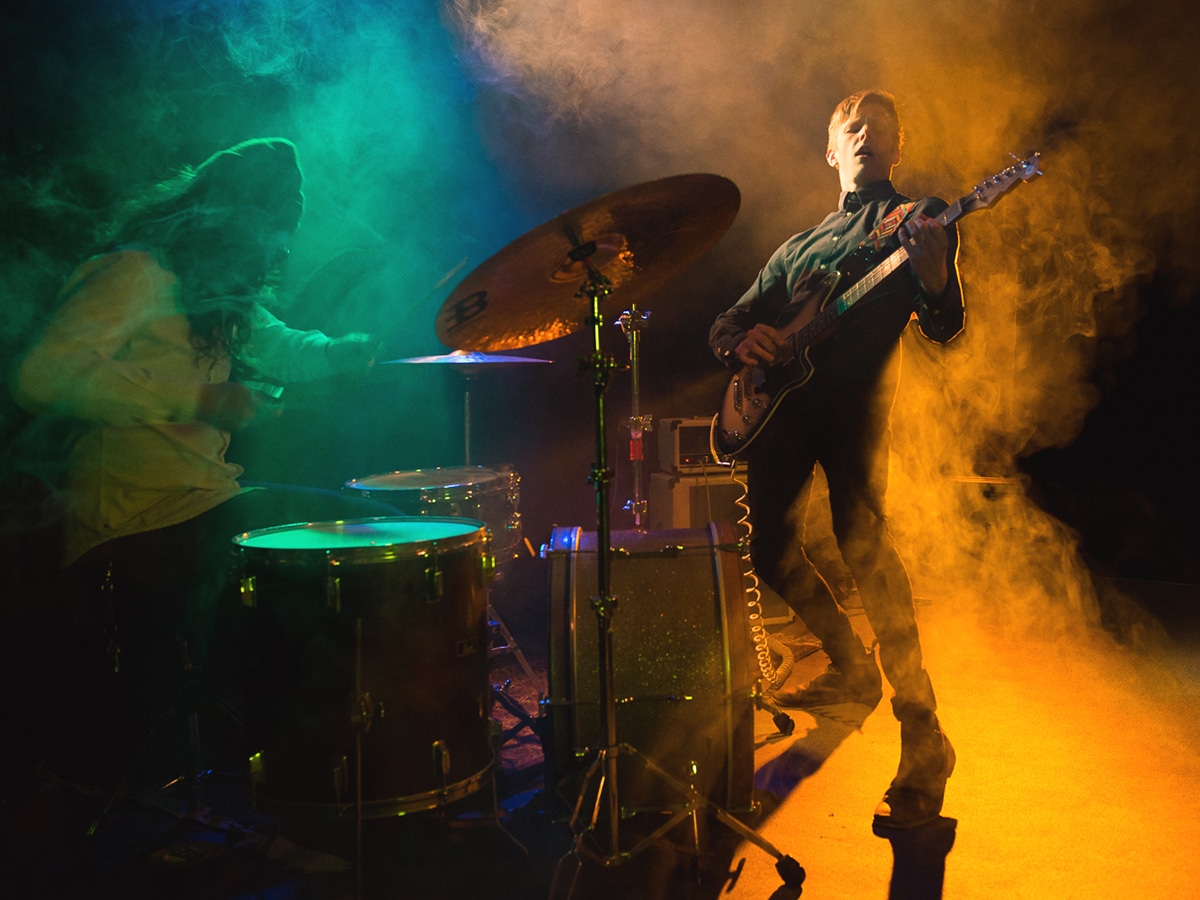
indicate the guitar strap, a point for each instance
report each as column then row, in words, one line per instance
column 867, row 253
column 888, row 226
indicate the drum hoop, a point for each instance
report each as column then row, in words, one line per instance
column 474, row 531
column 391, row 806
column 455, row 490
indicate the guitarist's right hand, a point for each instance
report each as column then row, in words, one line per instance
column 759, row 347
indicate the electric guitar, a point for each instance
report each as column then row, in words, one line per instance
column 755, row 392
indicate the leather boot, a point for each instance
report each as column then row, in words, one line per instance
column 857, row 682
column 916, row 793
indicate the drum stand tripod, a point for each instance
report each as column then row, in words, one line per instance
column 607, row 798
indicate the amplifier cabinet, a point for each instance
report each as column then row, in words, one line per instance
column 692, row 500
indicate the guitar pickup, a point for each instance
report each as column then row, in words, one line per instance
column 737, row 394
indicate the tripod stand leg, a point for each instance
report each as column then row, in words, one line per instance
column 789, row 870
column 782, row 720
column 524, row 719
column 509, row 645
column 554, row 882
column 499, row 822
column 127, row 776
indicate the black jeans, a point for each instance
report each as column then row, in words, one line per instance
column 848, row 435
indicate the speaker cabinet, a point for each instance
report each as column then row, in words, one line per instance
column 692, row 500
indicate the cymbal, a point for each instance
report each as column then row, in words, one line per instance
column 638, row 238
column 464, row 358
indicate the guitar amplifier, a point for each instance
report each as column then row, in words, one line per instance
column 693, row 499
column 683, row 446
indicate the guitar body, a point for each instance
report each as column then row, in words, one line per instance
column 755, row 392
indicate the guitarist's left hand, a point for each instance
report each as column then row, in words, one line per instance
column 927, row 243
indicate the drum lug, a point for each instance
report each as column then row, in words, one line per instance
column 434, row 583
column 341, row 779
column 247, row 586
column 362, row 717
column 333, row 593
column 113, row 646
column 256, row 776
column 441, row 760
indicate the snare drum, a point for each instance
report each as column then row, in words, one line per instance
column 373, row 640
column 475, row 492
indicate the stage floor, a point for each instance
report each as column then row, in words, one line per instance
column 1078, row 769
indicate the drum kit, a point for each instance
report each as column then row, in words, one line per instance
column 379, row 594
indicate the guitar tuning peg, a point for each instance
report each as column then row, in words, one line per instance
column 1024, row 161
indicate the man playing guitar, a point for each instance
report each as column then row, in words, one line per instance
column 837, row 415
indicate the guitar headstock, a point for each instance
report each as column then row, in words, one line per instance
column 992, row 189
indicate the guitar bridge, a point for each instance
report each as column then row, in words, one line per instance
column 737, row 394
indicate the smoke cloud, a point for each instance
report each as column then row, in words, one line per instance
column 433, row 136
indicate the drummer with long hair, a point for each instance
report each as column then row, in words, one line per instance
column 146, row 356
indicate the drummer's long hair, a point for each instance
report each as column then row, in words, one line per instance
column 220, row 229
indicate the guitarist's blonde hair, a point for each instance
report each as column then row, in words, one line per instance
column 845, row 110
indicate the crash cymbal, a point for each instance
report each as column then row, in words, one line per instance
column 638, row 238
column 464, row 358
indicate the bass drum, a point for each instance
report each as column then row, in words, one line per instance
column 475, row 492
column 372, row 639
column 683, row 663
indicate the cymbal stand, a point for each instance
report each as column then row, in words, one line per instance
column 632, row 322
column 467, row 376
column 509, row 644
column 604, row 604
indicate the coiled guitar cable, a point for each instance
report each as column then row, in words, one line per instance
column 764, row 642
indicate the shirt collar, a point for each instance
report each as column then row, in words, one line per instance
column 851, row 201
